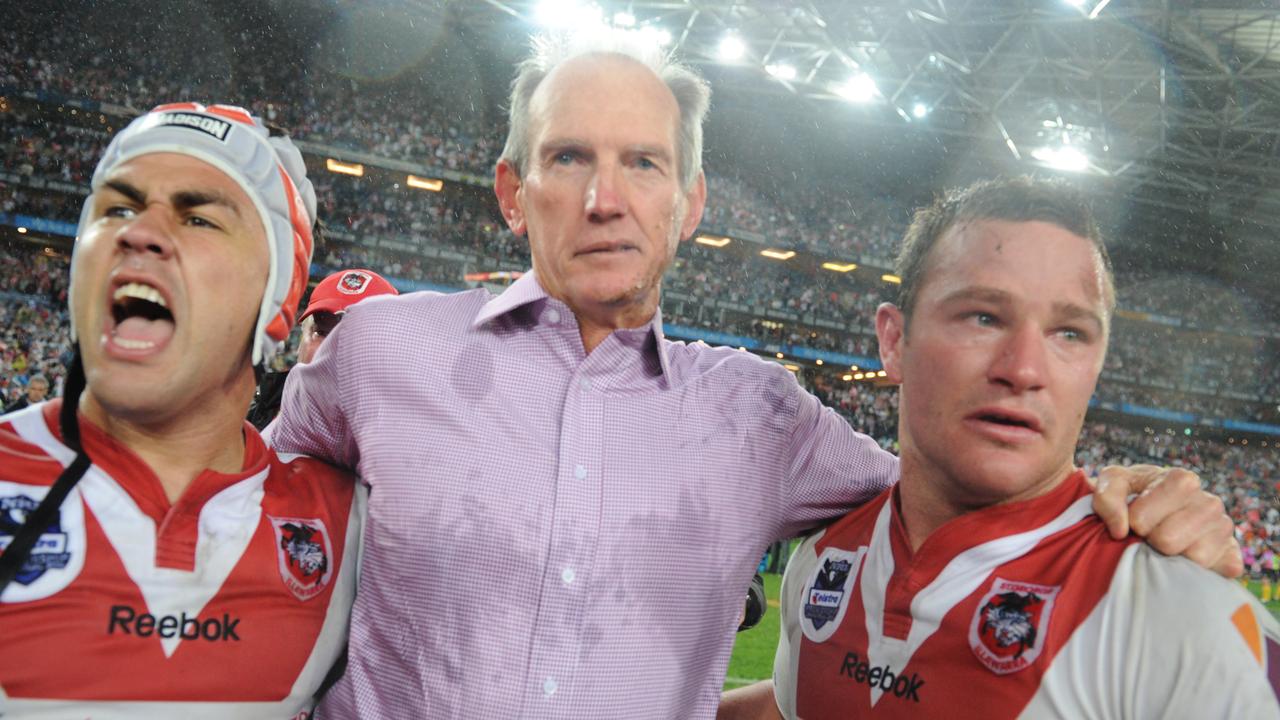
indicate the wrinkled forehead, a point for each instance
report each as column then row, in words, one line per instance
column 593, row 86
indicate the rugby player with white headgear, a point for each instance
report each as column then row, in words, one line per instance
column 159, row 560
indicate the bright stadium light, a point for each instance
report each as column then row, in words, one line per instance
column 1062, row 158
column 839, row 267
column 337, row 166
column 732, row 48
column 919, row 110
column 561, row 14
column 718, row 241
column 860, row 88
column 782, row 71
column 655, row 34
column 624, row 19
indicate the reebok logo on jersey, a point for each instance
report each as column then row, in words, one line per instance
column 900, row 686
column 184, row 626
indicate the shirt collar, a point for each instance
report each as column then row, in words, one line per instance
column 522, row 292
column 528, row 290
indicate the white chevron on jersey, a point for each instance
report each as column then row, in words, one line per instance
column 227, row 523
column 962, row 576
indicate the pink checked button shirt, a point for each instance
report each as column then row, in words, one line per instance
column 553, row 534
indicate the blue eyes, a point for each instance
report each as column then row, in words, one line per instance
column 569, row 157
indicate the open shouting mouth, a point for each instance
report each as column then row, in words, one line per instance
column 140, row 322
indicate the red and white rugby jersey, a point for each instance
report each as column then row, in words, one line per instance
column 1023, row 610
column 233, row 602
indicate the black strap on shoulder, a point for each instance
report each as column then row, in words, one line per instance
column 39, row 520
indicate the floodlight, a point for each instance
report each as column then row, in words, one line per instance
column 919, row 110
column 337, row 166
column 555, row 13
column 732, row 48
column 860, row 88
column 839, row 267
column 712, row 240
column 562, row 14
column 624, row 19
column 1062, row 158
column 782, row 71
column 655, row 34
column 430, row 184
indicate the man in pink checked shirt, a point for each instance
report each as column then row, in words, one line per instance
column 567, row 507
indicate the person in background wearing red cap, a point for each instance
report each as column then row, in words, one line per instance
column 159, row 560
column 329, row 300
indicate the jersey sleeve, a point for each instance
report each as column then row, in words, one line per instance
column 787, row 658
column 1170, row 639
column 833, row 468
column 313, row 414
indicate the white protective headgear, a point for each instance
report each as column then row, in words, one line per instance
column 272, row 174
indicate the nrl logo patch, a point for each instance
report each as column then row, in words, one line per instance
column 304, row 552
column 354, row 283
column 51, row 550
column 827, row 592
column 1008, row 629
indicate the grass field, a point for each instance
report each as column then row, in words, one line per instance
column 753, row 651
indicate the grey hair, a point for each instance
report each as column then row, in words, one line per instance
column 692, row 93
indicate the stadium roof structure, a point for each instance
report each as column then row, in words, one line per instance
column 1183, row 97
column 1173, row 104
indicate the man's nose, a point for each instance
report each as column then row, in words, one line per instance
column 1021, row 362
column 150, row 231
column 606, row 195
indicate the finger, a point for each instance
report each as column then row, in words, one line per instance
column 1214, row 551
column 1172, row 490
column 1110, row 495
column 1230, row 563
column 1199, row 527
column 1135, row 478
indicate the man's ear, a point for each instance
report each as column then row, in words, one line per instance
column 695, row 202
column 506, row 185
column 891, row 331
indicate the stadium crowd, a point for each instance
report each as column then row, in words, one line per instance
column 1213, row 373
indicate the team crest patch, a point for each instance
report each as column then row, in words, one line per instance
column 302, row 546
column 1008, row 629
column 827, row 592
column 354, row 282
column 51, row 551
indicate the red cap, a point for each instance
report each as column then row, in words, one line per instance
column 345, row 288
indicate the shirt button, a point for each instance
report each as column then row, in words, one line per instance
column 567, row 576
column 580, row 472
column 585, row 384
column 549, row 687
column 553, row 317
